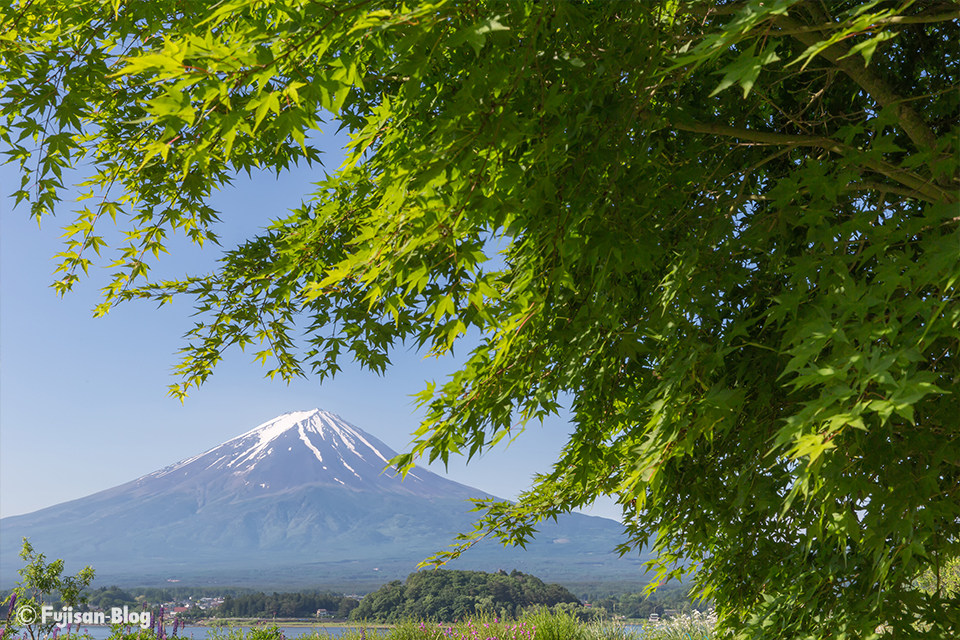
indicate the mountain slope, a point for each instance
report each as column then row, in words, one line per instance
column 314, row 448
column 303, row 499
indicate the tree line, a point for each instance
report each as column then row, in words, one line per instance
column 450, row 595
column 158, row 595
column 439, row 595
column 640, row 605
column 286, row 605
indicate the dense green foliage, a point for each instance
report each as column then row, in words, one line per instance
column 41, row 582
column 451, row 595
column 729, row 232
column 304, row 604
column 105, row 598
column 945, row 579
column 640, row 604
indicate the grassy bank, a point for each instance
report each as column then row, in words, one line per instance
column 537, row 625
column 542, row 626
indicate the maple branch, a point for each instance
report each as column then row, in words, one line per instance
column 918, row 186
column 869, row 81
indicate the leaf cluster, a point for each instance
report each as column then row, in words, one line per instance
column 39, row 581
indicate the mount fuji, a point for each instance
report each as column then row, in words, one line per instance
column 301, row 500
column 293, row 451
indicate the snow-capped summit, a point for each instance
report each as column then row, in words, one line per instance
column 297, row 449
column 304, row 498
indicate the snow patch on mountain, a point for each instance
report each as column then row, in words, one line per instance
column 297, row 449
column 306, row 441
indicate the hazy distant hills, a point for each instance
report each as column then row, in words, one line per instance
column 301, row 500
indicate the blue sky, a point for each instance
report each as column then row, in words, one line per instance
column 83, row 402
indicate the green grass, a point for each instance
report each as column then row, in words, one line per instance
column 540, row 624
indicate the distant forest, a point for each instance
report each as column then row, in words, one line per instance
column 286, row 605
column 114, row 596
column 442, row 595
column 639, row 605
column 446, row 595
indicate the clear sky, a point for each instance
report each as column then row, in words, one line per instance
column 83, row 401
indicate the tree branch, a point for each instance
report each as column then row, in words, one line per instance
column 892, row 20
column 869, row 185
column 869, row 81
column 918, row 186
